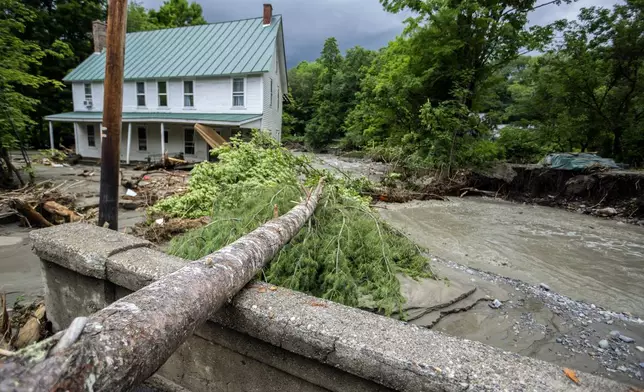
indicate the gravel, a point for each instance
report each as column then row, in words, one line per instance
column 584, row 321
column 626, row 339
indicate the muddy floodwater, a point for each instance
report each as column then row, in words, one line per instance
column 586, row 258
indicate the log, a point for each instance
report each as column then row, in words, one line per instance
column 33, row 216
column 126, row 342
column 57, row 209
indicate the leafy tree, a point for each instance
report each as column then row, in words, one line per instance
column 302, row 81
column 173, row 13
column 138, row 18
column 598, row 66
column 53, row 22
column 335, row 91
column 17, row 58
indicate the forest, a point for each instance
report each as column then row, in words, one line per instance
column 469, row 82
column 466, row 83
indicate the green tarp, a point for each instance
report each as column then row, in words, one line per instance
column 580, row 161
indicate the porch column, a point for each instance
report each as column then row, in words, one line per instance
column 129, row 142
column 162, row 142
column 76, row 137
column 51, row 136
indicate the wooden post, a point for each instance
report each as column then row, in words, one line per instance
column 51, row 136
column 112, row 111
column 129, row 142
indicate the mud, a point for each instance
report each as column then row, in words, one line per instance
column 583, row 257
column 594, row 269
column 20, row 274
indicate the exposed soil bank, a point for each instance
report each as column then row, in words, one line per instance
column 589, row 193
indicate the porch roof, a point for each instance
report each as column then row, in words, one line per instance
column 208, row 118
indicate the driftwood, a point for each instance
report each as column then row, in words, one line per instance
column 126, row 342
column 475, row 191
column 33, row 216
column 54, row 208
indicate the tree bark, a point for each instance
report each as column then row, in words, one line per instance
column 126, row 342
column 33, row 216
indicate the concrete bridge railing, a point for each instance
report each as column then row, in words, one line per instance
column 274, row 339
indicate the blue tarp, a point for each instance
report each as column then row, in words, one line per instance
column 580, row 161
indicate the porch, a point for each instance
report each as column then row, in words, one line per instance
column 144, row 135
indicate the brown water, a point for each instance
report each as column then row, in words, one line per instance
column 590, row 259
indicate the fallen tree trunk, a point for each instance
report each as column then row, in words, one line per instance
column 57, row 209
column 33, row 216
column 126, row 342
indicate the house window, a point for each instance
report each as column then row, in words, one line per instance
column 189, row 141
column 140, row 93
column 143, row 139
column 188, row 94
column 88, row 94
column 163, row 94
column 166, row 136
column 91, row 136
column 238, row 92
column 271, row 91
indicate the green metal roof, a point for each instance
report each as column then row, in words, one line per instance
column 236, row 47
column 157, row 117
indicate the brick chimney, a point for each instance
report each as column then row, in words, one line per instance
column 268, row 14
column 99, row 32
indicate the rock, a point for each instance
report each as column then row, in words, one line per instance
column 609, row 322
column 608, row 211
column 559, row 340
column 615, row 334
column 579, row 185
column 604, row 344
column 626, row 339
column 642, row 365
column 640, row 349
column 592, row 306
column 495, row 304
column 544, row 286
column 622, row 369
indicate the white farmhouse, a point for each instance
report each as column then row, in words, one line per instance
column 226, row 76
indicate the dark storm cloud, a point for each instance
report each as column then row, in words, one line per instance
column 352, row 22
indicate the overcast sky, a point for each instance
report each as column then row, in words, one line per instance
column 353, row 22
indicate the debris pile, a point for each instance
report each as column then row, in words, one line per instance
column 22, row 325
column 43, row 204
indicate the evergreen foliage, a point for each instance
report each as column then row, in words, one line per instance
column 345, row 253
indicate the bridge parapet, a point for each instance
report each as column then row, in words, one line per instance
column 274, row 339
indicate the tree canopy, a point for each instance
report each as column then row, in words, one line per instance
column 469, row 81
column 172, row 13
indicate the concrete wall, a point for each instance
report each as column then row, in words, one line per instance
column 212, row 95
column 281, row 340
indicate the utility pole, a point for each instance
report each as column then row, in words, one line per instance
column 112, row 111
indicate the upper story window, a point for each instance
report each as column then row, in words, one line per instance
column 238, row 92
column 88, row 94
column 188, row 94
column 162, row 88
column 140, row 93
column 271, row 91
